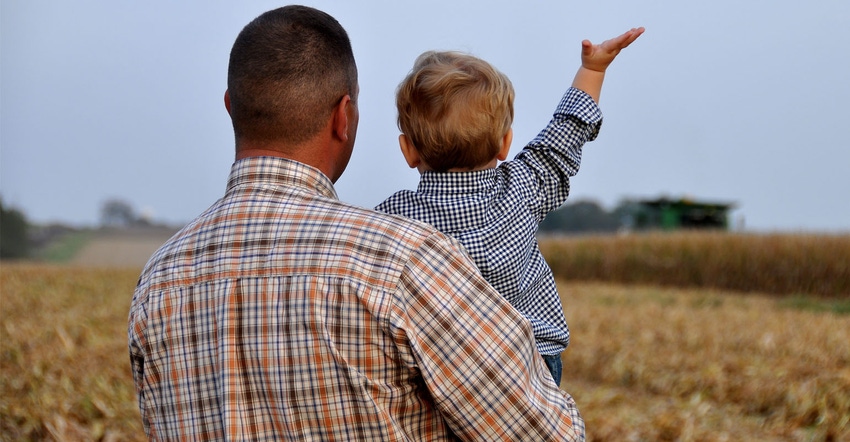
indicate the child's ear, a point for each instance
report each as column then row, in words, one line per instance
column 506, row 145
column 411, row 155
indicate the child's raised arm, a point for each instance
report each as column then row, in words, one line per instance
column 596, row 58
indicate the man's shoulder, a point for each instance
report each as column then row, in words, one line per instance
column 379, row 242
column 388, row 223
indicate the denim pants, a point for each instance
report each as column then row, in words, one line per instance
column 553, row 362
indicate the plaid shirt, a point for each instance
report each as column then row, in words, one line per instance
column 283, row 314
column 495, row 213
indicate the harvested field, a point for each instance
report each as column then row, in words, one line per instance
column 648, row 361
column 64, row 366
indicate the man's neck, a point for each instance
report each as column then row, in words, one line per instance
column 246, row 153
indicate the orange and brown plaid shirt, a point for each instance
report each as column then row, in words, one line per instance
column 282, row 313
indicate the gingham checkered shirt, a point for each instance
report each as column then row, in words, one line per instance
column 495, row 213
column 283, row 314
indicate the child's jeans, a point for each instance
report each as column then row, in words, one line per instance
column 555, row 366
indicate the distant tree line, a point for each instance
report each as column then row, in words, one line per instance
column 120, row 213
column 14, row 233
column 588, row 216
column 19, row 239
column 585, row 216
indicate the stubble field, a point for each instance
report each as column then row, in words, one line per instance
column 647, row 361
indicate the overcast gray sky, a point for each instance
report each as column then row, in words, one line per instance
column 728, row 101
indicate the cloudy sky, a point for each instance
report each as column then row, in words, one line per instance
column 727, row 101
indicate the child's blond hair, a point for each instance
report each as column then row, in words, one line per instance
column 455, row 109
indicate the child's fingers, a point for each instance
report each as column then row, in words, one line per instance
column 630, row 36
column 619, row 42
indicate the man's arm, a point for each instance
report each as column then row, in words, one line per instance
column 476, row 353
column 136, row 339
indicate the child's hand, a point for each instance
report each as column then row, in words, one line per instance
column 598, row 57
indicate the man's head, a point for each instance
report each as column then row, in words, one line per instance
column 289, row 69
column 455, row 110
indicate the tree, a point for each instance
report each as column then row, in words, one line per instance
column 581, row 216
column 14, row 233
column 117, row 213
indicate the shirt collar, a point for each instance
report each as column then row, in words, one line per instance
column 281, row 172
column 457, row 182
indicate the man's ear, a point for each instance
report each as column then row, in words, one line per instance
column 340, row 118
column 411, row 155
column 227, row 100
column 506, row 145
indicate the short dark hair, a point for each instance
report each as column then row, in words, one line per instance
column 288, row 68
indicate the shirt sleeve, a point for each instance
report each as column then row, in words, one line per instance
column 136, row 344
column 554, row 155
column 476, row 353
